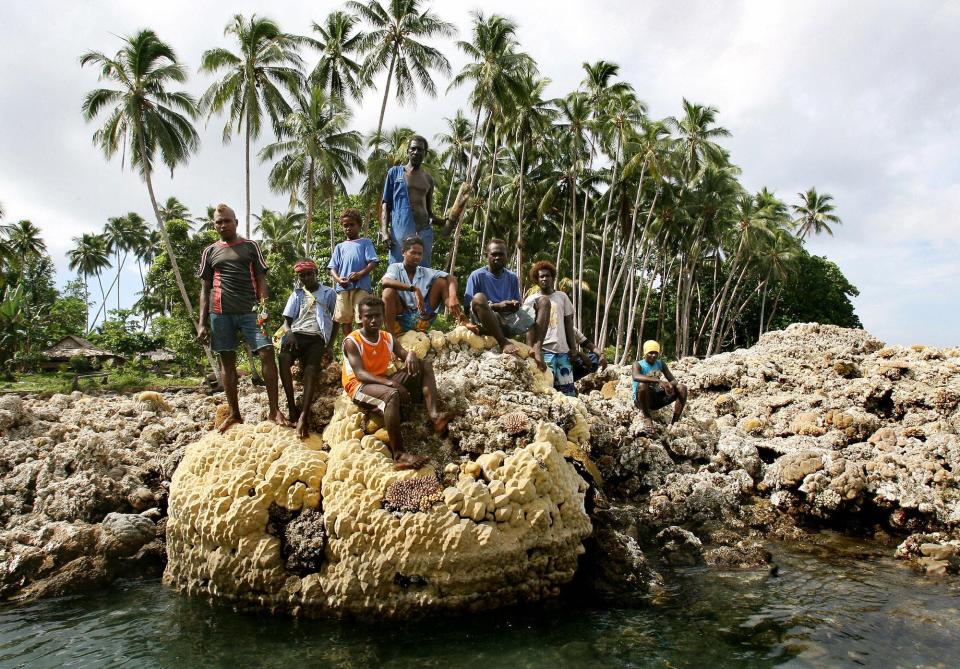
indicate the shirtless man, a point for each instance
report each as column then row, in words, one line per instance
column 407, row 204
column 367, row 353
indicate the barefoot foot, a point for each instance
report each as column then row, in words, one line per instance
column 230, row 420
column 510, row 349
column 280, row 419
column 303, row 427
column 440, row 423
column 405, row 460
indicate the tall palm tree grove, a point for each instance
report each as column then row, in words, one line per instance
column 265, row 64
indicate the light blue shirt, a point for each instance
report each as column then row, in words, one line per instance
column 352, row 256
column 423, row 279
column 402, row 223
column 647, row 369
column 326, row 301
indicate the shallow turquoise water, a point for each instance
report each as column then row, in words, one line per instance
column 845, row 604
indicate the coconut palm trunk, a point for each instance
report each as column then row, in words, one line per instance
column 386, row 91
column 148, row 177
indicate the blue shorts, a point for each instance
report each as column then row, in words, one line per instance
column 223, row 332
column 414, row 320
column 559, row 364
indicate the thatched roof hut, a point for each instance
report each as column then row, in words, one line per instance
column 158, row 355
column 72, row 346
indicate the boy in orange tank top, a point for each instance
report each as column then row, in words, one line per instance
column 367, row 352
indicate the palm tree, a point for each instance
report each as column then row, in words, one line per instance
column 174, row 209
column 455, row 142
column 697, row 133
column 22, row 241
column 125, row 233
column 315, row 151
column 279, row 232
column 496, row 68
column 154, row 119
column 267, row 60
column 89, row 255
column 336, row 72
column 395, row 44
column 814, row 213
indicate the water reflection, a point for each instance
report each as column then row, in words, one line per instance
column 842, row 604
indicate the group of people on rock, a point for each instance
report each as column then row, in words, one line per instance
column 234, row 293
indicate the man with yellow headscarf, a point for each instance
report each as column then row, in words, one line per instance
column 650, row 391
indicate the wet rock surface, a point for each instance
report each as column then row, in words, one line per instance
column 815, row 426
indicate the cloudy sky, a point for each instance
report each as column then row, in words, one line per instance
column 859, row 99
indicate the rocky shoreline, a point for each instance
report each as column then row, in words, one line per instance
column 815, row 426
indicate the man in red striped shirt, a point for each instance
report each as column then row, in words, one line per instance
column 234, row 282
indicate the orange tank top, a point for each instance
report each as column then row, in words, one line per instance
column 376, row 356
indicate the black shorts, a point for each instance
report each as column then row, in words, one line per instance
column 658, row 396
column 310, row 348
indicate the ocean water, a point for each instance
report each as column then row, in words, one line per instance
column 843, row 603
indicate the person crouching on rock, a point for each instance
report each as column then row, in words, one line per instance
column 650, row 392
column 367, row 354
column 412, row 294
column 308, row 337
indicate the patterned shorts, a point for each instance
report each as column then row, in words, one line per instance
column 559, row 364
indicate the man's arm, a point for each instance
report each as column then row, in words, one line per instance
column 385, row 211
column 203, row 333
column 430, row 217
column 568, row 331
column 642, row 378
column 352, row 354
column 410, row 359
column 356, row 276
column 263, row 293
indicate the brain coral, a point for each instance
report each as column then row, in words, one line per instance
column 265, row 521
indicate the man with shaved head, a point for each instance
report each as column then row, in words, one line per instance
column 232, row 295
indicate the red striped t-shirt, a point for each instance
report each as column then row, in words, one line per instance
column 232, row 268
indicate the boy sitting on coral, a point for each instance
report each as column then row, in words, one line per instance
column 413, row 294
column 350, row 267
column 650, row 392
column 367, row 354
column 308, row 337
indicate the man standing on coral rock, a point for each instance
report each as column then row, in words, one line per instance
column 408, row 203
column 233, row 292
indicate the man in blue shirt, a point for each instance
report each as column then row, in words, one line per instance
column 493, row 296
column 408, row 203
column 412, row 294
column 308, row 338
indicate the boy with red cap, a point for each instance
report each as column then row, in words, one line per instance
column 308, row 337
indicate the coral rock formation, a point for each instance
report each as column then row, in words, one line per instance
column 507, row 528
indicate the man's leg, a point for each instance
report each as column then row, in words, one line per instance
column 490, row 323
column 286, row 378
column 681, row 402
column 390, row 399
column 428, row 384
column 270, row 376
column 536, row 334
column 228, row 374
column 438, row 291
column 311, row 360
column 642, row 401
column 392, row 306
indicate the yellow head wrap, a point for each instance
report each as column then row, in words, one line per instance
column 650, row 345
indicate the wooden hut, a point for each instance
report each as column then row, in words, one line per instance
column 159, row 359
column 72, row 346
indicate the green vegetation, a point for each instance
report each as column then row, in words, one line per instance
column 652, row 232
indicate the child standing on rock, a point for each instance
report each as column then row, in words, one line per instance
column 308, row 337
column 650, row 392
column 350, row 267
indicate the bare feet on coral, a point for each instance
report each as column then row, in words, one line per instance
column 303, row 427
column 280, row 419
column 293, row 412
column 230, row 420
column 646, row 426
column 510, row 349
column 405, row 460
column 440, row 422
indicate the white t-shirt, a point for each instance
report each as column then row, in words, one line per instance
column 555, row 340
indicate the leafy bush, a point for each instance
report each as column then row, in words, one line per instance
column 81, row 364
